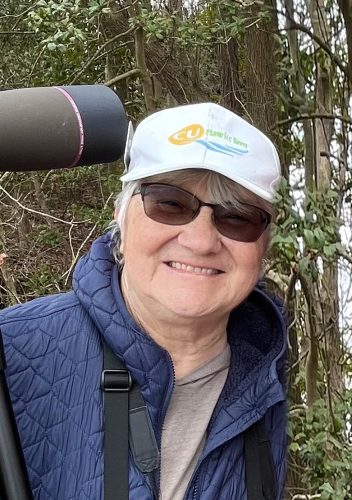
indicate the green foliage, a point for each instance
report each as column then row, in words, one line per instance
column 92, row 215
column 43, row 281
column 208, row 24
column 301, row 235
column 293, row 102
column 321, row 447
column 284, row 236
column 49, row 237
column 62, row 34
column 155, row 23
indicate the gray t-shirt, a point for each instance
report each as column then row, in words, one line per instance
column 183, row 436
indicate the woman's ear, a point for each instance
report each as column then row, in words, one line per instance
column 116, row 213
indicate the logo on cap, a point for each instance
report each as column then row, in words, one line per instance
column 195, row 132
column 187, row 134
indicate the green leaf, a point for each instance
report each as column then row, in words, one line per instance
column 294, row 447
column 309, row 237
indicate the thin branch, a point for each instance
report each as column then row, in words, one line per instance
column 100, row 49
column 127, row 7
column 306, row 497
column 116, row 79
column 305, row 289
column 75, row 257
column 4, row 176
column 23, row 13
column 345, row 256
column 37, row 212
column 7, row 277
column 18, row 33
column 276, row 280
column 313, row 116
column 304, row 354
column 34, row 65
column 70, row 242
column 315, row 38
column 290, row 288
column 13, row 295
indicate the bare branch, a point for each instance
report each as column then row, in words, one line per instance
column 118, row 78
column 345, row 256
column 97, row 53
column 37, row 212
column 290, row 288
column 4, row 176
column 306, row 497
column 76, row 256
column 23, row 13
column 35, row 64
column 18, row 33
column 313, row 116
column 276, row 280
column 319, row 41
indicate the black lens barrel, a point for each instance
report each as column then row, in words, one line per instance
column 60, row 127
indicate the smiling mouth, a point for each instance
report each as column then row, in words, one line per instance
column 202, row 271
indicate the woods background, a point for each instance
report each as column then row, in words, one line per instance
column 285, row 66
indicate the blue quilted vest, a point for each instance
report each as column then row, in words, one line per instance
column 54, row 356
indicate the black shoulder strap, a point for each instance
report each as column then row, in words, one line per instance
column 260, row 474
column 14, row 481
column 126, row 422
column 116, row 384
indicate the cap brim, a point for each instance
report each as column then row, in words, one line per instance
column 137, row 174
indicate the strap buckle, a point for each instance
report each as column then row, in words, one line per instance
column 116, row 381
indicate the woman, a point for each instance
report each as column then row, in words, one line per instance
column 171, row 290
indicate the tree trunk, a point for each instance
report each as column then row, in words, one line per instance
column 346, row 9
column 328, row 296
column 228, row 64
column 139, row 45
column 260, row 77
column 300, row 91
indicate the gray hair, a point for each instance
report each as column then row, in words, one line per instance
column 221, row 190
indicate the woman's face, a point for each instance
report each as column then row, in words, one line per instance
column 188, row 271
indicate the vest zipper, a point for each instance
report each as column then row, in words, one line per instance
column 195, row 492
column 194, row 479
column 153, row 485
column 170, row 391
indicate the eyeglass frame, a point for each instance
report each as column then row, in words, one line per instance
column 213, row 206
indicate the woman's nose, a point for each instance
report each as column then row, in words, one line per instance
column 200, row 235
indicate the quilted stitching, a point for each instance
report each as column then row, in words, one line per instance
column 53, row 351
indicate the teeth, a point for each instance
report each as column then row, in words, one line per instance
column 190, row 269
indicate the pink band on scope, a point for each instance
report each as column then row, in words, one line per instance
column 80, row 126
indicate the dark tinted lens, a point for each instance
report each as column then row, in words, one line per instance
column 246, row 225
column 168, row 204
column 175, row 206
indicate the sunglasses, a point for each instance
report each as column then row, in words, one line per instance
column 175, row 206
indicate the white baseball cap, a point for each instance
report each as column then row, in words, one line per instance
column 205, row 136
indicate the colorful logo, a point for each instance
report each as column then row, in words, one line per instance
column 196, row 133
column 187, row 134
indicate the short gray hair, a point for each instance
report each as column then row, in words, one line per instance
column 221, row 190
